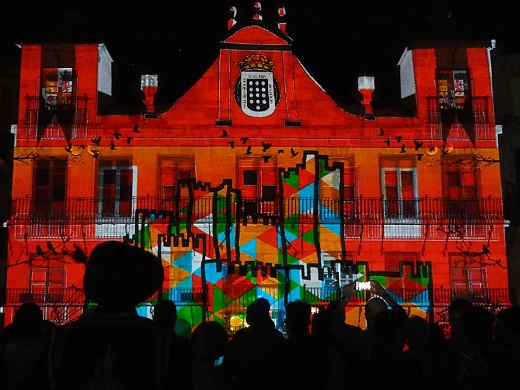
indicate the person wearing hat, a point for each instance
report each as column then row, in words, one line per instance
column 111, row 346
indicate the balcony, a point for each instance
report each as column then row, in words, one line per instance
column 478, row 116
column 90, row 217
column 54, row 131
column 437, row 296
column 46, row 296
column 74, row 297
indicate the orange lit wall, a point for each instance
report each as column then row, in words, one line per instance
column 289, row 246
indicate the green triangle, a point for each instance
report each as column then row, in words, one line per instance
column 293, row 219
column 221, row 203
column 248, row 297
column 310, row 298
column 292, row 229
column 420, row 280
column 221, row 227
column 292, row 180
column 220, row 300
column 309, row 237
column 291, row 259
column 323, row 168
column 380, row 279
column 190, row 314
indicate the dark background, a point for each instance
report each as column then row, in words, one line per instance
column 336, row 41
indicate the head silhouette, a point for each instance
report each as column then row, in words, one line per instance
column 456, row 311
column 257, row 313
column 373, row 307
column 165, row 314
column 297, row 317
column 29, row 313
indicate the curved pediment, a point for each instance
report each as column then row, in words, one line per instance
column 257, row 35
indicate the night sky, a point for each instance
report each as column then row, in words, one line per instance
column 178, row 39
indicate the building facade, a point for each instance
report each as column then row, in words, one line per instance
column 256, row 183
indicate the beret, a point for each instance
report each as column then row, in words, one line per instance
column 121, row 275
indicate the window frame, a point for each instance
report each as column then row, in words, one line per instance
column 121, row 208
column 401, row 202
column 466, row 205
column 262, row 197
column 178, row 165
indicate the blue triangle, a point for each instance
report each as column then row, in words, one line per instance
column 212, row 275
column 328, row 214
column 184, row 262
column 420, row 299
column 333, row 227
column 222, row 236
column 249, row 248
column 306, row 193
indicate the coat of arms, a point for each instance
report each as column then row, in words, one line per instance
column 256, row 91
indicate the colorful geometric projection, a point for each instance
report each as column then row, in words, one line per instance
column 222, row 259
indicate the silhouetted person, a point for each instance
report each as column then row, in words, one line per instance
column 380, row 301
column 255, row 354
column 423, row 356
column 111, row 346
column 24, row 350
column 209, row 343
column 507, row 339
column 175, row 351
column 304, row 353
column 477, row 363
column 455, row 342
column 385, row 364
column 456, row 310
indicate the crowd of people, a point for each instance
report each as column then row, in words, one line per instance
column 112, row 347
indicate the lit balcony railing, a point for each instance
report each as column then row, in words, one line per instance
column 46, row 296
column 79, row 112
column 437, row 296
column 360, row 210
column 478, row 116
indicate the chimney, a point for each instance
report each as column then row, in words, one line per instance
column 149, row 83
column 257, row 7
column 232, row 15
column 282, row 24
column 366, row 86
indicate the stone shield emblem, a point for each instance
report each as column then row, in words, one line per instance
column 257, row 93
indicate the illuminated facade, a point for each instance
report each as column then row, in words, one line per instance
column 256, row 183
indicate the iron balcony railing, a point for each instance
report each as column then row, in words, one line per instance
column 437, row 296
column 360, row 210
column 46, row 296
column 79, row 110
column 477, row 115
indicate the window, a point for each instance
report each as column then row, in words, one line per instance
column 460, row 188
column 337, row 274
column 115, row 188
column 399, row 188
column 393, row 260
column 57, row 87
column 47, row 289
column 452, row 89
column 49, row 189
column 466, row 274
column 173, row 171
column 47, row 280
column 347, row 183
column 257, row 179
